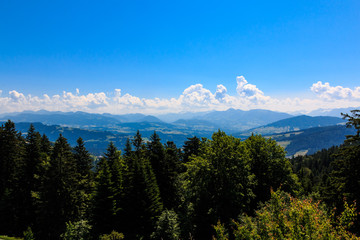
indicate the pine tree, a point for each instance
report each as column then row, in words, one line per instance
column 118, row 171
column 128, row 148
column 30, row 184
column 11, row 176
column 164, row 164
column 59, row 196
column 138, row 142
column 84, row 174
column 45, row 145
column 142, row 202
column 191, row 147
column 104, row 203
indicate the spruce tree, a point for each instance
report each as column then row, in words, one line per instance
column 118, row 170
column 84, row 174
column 45, row 145
column 103, row 203
column 30, row 185
column 164, row 165
column 142, row 202
column 60, row 200
column 191, row 147
column 11, row 178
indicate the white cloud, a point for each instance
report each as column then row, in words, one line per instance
column 220, row 93
column 197, row 95
column 17, row 97
column 334, row 93
column 250, row 91
column 117, row 92
column 193, row 98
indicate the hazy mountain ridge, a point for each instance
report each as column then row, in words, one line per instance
column 311, row 140
column 232, row 120
column 336, row 112
column 294, row 124
column 296, row 134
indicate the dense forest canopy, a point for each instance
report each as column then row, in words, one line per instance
column 219, row 187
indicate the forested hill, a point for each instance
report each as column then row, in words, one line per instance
column 311, row 140
column 212, row 188
column 294, row 124
column 301, row 142
column 95, row 141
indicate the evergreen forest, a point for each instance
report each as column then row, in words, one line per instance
column 211, row 188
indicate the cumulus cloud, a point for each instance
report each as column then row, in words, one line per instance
column 16, row 96
column 197, row 95
column 250, row 91
column 194, row 98
column 334, row 93
column 220, row 93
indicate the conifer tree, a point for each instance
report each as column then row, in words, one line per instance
column 191, row 147
column 11, row 176
column 345, row 177
column 118, row 171
column 164, row 165
column 60, row 202
column 84, row 174
column 173, row 168
column 128, row 148
column 142, row 202
column 138, row 142
column 45, row 145
column 104, row 202
column 30, row 184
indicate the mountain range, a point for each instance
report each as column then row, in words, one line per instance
column 231, row 120
column 295, row 133
column 294, row 124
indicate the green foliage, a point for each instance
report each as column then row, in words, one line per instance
column 165, row 164
column 28, row 234
column 220, row 232
column 104, row 203
column 344, row 179
column 112, row 236
column 270, row 167
column 313, row 170
column 12, row 178
column 54, row 190
column 59, row 196
column 77, row 231
column 2, row 237
column 217, row 183
column 347, row 218
column 285, row 217
column 167, row 227
column 191, row 147
column 353, row 121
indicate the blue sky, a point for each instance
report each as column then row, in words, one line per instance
column 160, row 49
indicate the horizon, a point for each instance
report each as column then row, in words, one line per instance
column 158, row 58
column 193, row 115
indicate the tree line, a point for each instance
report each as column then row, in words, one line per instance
column 220, row 188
